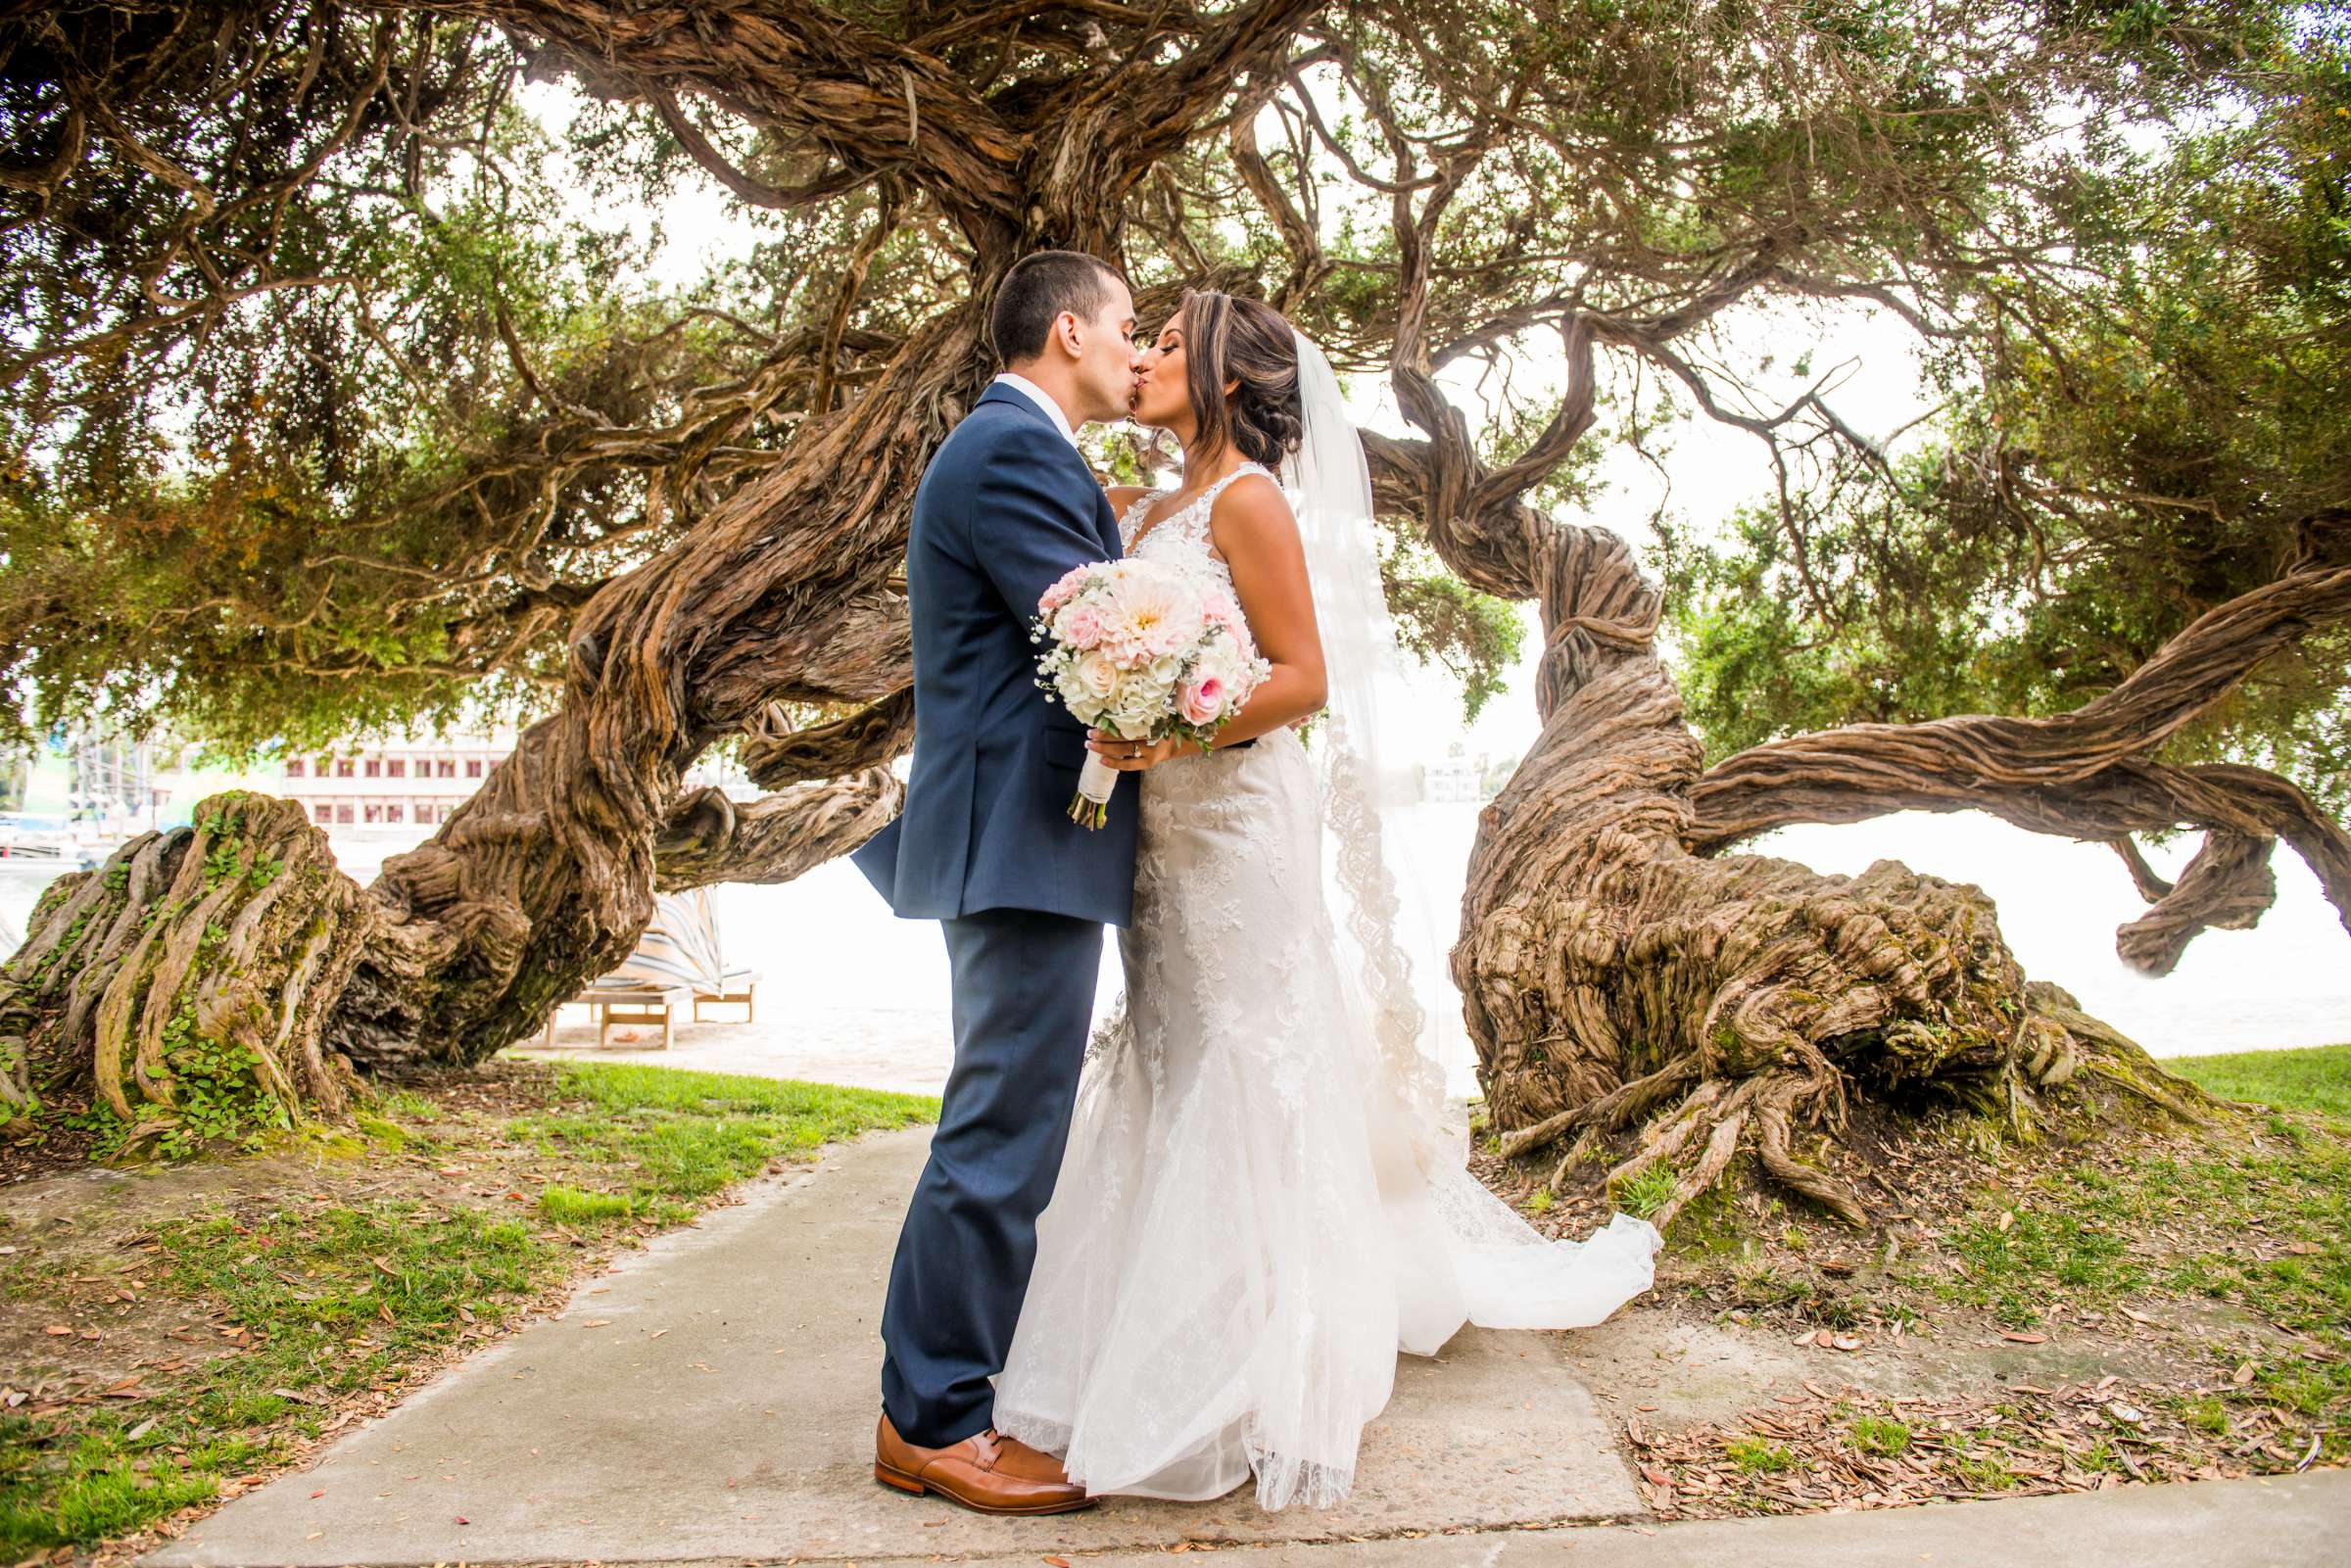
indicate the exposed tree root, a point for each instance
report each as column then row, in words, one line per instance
column 202, row 982
column 187, row 981
column 1618, row 978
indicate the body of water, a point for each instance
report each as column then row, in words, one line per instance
column 852, row 994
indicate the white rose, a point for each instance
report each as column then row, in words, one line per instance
column 1097, row 676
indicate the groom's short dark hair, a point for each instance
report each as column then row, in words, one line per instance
column 1039, row 287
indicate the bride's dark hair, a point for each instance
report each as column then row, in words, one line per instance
column 1231, row 338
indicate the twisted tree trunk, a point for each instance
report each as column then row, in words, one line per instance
column 1611, row 978
column 1617, row 972
column 2084, row 774
column 546, row 875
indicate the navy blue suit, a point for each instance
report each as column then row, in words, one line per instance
column 1006, row 507
column 984, row 844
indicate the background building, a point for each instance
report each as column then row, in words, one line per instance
column 395, row 785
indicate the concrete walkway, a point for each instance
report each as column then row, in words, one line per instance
column 2290, row 1522
column 714, row 1396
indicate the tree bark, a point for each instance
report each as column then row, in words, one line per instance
column 1618, row 974
column 546, row 875
column 190, row 979
column 2082, row 774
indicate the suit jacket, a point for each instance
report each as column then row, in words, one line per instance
column 1005, row 508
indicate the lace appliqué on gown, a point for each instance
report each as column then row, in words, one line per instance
column 1246, row 1228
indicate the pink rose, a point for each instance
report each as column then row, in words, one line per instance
column 1081, row 627
column 1063, row 590
column 1201, row 702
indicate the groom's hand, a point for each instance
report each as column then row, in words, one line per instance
column 1131, row 756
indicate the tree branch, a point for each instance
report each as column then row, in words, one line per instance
column 709, row 838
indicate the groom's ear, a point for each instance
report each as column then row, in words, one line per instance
column 1068, row 331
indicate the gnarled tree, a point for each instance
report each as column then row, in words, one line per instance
column 430, row 454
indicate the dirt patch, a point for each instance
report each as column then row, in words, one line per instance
column 2048, row 1317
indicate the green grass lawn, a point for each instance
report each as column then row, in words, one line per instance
column 2314, row 1078
column 327, row 1291
column 2256, row 1217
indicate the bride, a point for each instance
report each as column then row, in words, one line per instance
column 1262, row 1200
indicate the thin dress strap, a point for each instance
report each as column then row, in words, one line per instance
column 1207, row 497
column 1136, row 511
column 1198, row 506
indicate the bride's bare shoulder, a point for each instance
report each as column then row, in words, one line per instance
column 1251, row 522
column 1251, row 504
column 1122, row 497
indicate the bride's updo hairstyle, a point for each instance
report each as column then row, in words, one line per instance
column 1230, row 339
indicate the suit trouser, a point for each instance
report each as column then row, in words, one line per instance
column 1023, row 996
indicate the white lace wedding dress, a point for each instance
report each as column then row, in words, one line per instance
column 1243, row 1233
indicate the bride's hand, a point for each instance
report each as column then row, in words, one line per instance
column 1130, row 756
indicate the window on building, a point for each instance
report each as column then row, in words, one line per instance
column 373, row 813
column 473, row 766
column 293, row 767
column 373, row 767
column 343, row 814
column 322, row 812
column 320, row 768
column 397, row 768
column 392, row 812
column 446, row 768
column 341, row 767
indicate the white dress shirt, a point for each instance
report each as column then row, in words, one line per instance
column 1037, row 395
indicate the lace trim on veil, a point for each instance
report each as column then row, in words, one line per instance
column 1398, row 1020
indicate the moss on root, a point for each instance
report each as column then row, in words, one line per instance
column 184, row 983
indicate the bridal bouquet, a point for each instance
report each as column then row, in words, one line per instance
column 1144, row 650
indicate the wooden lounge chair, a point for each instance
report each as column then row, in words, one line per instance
column 628, row 1003
column 735, row 986
column 676, row 964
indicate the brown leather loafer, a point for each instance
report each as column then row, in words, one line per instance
column 987, row 1471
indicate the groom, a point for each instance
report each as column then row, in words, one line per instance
column 985, row 846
